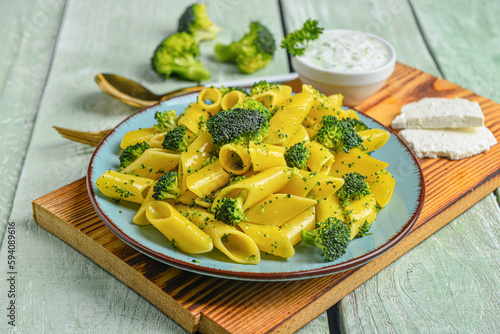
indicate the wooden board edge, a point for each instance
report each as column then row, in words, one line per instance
column 115, row 266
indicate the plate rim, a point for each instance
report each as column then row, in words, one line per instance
column 241, row 275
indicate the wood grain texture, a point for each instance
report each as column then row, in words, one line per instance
column 29, row 31
column 212, row 303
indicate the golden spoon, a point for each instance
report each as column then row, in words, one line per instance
column 133, row 93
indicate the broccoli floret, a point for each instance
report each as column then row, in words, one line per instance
column 176, row 139
column 357, row 124
column 166, row 187
column 337, row 135
column 238, row 126
column 252, row 52
column 295, row 42
column 261, row 86
column 196, row 22
column 254, row 105
column 230, row 210
column 165, row 121
column 353, row 188
column 179, row 54
column 363, row 230
column 297, row 155
column 225, row 90
column 130, row 153
column 331, row 236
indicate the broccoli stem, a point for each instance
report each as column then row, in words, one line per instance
column 225, row 52
column 194, row 72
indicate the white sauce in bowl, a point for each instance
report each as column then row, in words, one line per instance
column 350, row 52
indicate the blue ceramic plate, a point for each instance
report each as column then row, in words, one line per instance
column 393, row 222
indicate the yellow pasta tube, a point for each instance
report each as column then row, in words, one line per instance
column 300, row 136
column 153, row 163
column 312, row 185
column 293, row 227
column 329, row 207
column 356, row 161
column 276, row 209
column 183, row 234
column 359, row 212
column 214, row 96
column 382, row 185
column 273, row 96
column 156, row 141
column 230, row 99
column 192, row 118
column 235, row 244
column 187, row 197
column 192, row 159
column 264, row 156
column 269, row 239
column 235, row 159
column 320, row 159
column 336, row 100
column 137, row 136
column 351, row 113
column 140, row 215
column 125, row 187
column 257, row 187
column 373, row 139
column 207, row 179
column 287, row 120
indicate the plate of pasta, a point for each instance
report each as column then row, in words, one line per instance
column 260, row 183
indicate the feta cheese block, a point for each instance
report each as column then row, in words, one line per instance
column 438, row 112
column 454, row 144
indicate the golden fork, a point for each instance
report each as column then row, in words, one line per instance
column 86, row 137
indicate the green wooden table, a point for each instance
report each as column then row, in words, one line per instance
column 50, row 52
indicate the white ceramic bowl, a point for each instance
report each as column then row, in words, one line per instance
column 354, row 86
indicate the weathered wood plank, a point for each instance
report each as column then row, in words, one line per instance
column 29, row 30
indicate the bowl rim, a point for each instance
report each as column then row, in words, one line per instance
column 359, row 78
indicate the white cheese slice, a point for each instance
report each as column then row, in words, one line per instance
column 450, row 143
column 437, row 112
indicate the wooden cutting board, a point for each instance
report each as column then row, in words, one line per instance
column 214, row 305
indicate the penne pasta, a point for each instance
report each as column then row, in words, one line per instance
column 153, row 163
column 276, row 209
column 210, row 99
column 264, row 156
column 207, row 179
column 294, row 226
column 183, row 233
column 269, row 239
column 235, row 159
column 125, row 187
column 235, row 244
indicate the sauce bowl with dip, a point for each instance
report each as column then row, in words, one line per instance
column 349, row 62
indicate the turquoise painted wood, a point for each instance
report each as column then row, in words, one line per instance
column 449, row 282
column 58, row 290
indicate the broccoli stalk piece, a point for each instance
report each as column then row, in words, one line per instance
column 230, row 210
column 130, row 153
column 239, row 126
column 331, row 236
column 179, row 55
column 165, row 121
column 196, row 22
column 337, row 135
column 296, row 41
column 297, row 155
column 253, row 104
column 176, row 139
column 252, row 52
column 166, row 187
column 354, row 188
